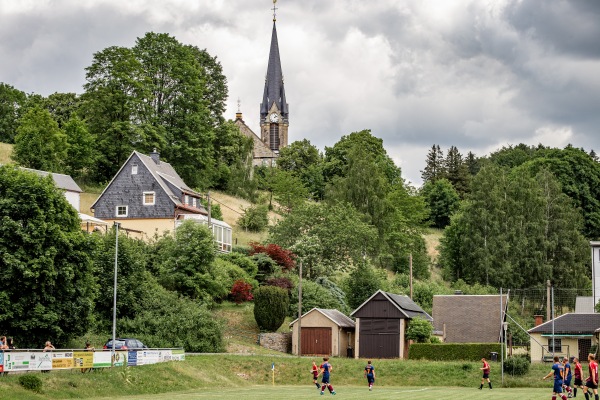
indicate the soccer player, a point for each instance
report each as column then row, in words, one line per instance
column 578, row 371
column 370, row 374
column 486, row 374
column 315, row 374
column 326, row 369
column 592, row 380
column 558, row 370
column 568, row 375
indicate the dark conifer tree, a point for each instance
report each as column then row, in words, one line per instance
column 434, row 167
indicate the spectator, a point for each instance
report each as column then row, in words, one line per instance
column 10, row 343
column 3, row 345
column 48, row 346
column 88, row 347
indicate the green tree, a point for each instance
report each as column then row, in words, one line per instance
column 303, row 160
column 288, row 190
column 361, row 284
column 456, row 171
column 270, row 307
column 81, row 153
column 314, row 295
column 254, row 218
column 11, row 104
column 39, row 143
column 442, row 201
column 47, row 289
column 62, row 107
column 434, row 165
column 419, row 330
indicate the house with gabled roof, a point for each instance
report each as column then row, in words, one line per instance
column 381, row 322
column 568, row 335
column 326, row 332
column 469, row 318
column 148, row 197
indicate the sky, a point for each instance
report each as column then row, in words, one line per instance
column 475, row 74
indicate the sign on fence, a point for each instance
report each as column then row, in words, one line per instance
column 44, row 361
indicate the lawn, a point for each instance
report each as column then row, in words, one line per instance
column 350, row 392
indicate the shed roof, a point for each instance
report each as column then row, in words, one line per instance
column 570, row 324
column 469, row 318
column 62, row 181
column 337, row 317
column 403, row 303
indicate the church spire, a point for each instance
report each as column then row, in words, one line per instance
column 274, row 92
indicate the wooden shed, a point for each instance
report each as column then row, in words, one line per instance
column 380, row 325
column 325, row 332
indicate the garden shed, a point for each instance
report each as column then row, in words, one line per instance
column 381, row 323
column 326, row 332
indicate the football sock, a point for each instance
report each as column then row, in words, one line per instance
column 318, row 386
column 323, row 388
column 587, row 395
column 490, row 383
column 481, row 386
column 596, row 396
column 331, row 389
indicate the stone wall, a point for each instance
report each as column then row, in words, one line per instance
column 277, row 341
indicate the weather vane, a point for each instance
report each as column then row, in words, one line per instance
column 274, row 10
column 239, row 105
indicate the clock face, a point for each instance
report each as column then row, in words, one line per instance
column 274, row 117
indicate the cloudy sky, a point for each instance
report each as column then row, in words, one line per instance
column 476, row 74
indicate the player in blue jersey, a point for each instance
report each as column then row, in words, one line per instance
column 558, row 370
column 370, row 374
column 326, row 369
column 568, row 375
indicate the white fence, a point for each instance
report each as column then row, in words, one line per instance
column 38, row 360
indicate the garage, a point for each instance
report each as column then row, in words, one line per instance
column 323, row 332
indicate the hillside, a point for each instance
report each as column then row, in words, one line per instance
column 5, row 152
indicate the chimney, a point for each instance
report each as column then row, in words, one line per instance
column 155, row 156
column 539, row 319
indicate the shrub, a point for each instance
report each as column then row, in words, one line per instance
column 265, row 264
column 243, row 261
column 281, row 282
column 31, row 382
column 452, row 351
column 254, row 218
column 270, row 307
column 313, row 295
column 284, row 258
column 516, row 366
column 241, row 291
column 419, row 330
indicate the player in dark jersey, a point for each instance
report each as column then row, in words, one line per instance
column 592, row 380
column 326, row 369
column 558, row 370
column 370, row 374
column 486, row 374
column 315, row 374
column 568, row 376
column 578, row 372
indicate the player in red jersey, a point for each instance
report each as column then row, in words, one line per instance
column 315, row 374
column 592, row 380
column 486, row 374
column 578, row 372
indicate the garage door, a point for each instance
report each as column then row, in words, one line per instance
column 379, row 338
column 316, row 341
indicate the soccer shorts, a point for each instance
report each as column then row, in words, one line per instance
column 557, row 386
column 591, row 385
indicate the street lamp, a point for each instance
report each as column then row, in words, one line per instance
column 114, row 327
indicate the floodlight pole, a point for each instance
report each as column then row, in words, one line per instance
column 553, row 340
column 300, row 309
column 114, row 327
column 502, row 333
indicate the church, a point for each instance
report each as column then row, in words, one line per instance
column 274, row 111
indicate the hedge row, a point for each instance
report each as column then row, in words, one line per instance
column 453, row 351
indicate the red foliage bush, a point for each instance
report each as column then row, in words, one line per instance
column 283, row 282
column 241, row 291
column 284, row 258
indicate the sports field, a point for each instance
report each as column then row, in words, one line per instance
column 351, row 392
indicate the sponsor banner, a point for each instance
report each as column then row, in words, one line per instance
column 178, row 355
column 62, row 360
column 83, row 359
column 40, row 361
column 146, row 357
column 132, row 358
column 102, row 359
column 120, row 358
column 2, row 361
column 165, row 355
column 16, row 361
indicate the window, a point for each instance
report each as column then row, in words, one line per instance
column 149, row 198
column 557, row 348
column 274, row 137
column 121, row 211
column 134, row 169
column 193, row 202
column 187, row 200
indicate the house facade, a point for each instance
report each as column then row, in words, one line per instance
column 147, row 197
column 324, row 332
column 569, row 335
column 381, row 323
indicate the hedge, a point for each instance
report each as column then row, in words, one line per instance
column 453, row 351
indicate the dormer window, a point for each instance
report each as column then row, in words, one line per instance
column 149, row 198
column 134, row 169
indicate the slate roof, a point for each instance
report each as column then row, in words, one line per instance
column 260, row 150
column 570, row 324
column 468, row 318
column 337, row 317
column 274, row 90
column 62, row 181
column 403, row 303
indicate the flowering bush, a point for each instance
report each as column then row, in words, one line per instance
column 241, row 291
column 284, row 258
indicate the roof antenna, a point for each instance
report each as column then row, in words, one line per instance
column 239, row 103
column 274, row 11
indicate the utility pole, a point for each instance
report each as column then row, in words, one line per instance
column 114, row 327
column 411, row 274
column 208, row 199
column 548, row 301
column 300, row 309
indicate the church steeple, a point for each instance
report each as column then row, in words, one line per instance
column 274, row 111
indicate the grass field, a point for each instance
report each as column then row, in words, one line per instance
column 308, row 392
